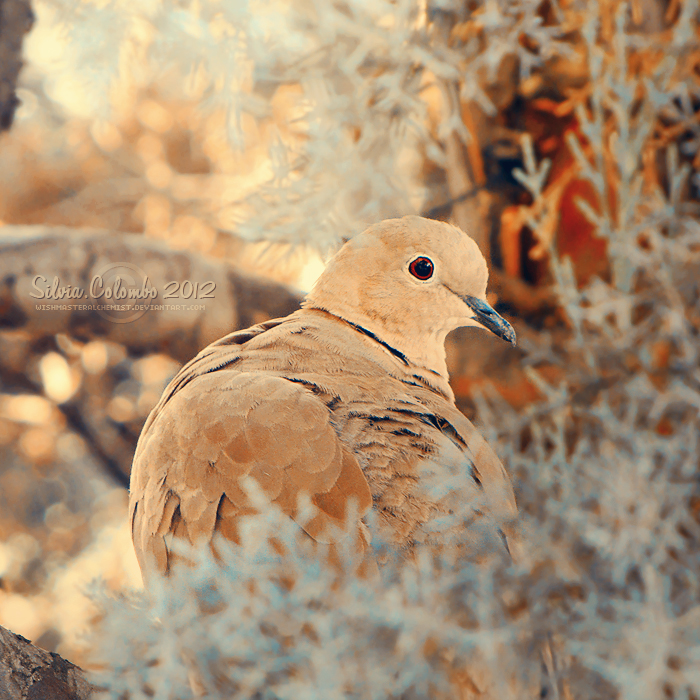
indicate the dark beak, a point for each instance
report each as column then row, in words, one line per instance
column 489, row 319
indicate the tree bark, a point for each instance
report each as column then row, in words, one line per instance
column 16, row 19
column 30, row 673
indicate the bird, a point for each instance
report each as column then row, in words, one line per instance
column 343, row 403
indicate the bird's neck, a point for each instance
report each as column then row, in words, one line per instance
column 422, row 347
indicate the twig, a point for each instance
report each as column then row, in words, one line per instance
column 446, row 207
column 465, row 213
column 16, row 19
column 527, row 299
column 19, row 380
column 77, row 422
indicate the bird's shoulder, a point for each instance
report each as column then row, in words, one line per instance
column 312, row 348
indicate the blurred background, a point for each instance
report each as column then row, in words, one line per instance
column 241, row 143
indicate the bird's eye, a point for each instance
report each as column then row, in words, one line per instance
column 421, row 268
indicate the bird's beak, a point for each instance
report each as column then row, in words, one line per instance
column 489, row 319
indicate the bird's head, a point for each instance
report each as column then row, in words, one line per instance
column 409, row 281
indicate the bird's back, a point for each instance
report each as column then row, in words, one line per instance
column 309, row 403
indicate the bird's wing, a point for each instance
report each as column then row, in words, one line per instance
column 221, row 353
column 488, row 470
column 490, row 474
column 226, row 425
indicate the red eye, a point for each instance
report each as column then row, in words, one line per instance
column 421, row 268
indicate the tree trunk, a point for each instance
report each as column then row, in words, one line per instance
column 30, row 673
column 16, row 18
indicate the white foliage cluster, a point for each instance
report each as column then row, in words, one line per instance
column 610, row 470
column 352, row 75
column 257, row 625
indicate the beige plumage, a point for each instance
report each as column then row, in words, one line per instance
column 344, row 400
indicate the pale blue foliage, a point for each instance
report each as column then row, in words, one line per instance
column 236, row 629
column 606, row 481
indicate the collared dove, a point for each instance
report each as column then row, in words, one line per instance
column 344, row 400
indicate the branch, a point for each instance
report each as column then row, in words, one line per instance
column 76, row 257
column 30, row 673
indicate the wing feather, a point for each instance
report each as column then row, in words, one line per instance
column 226, row 425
